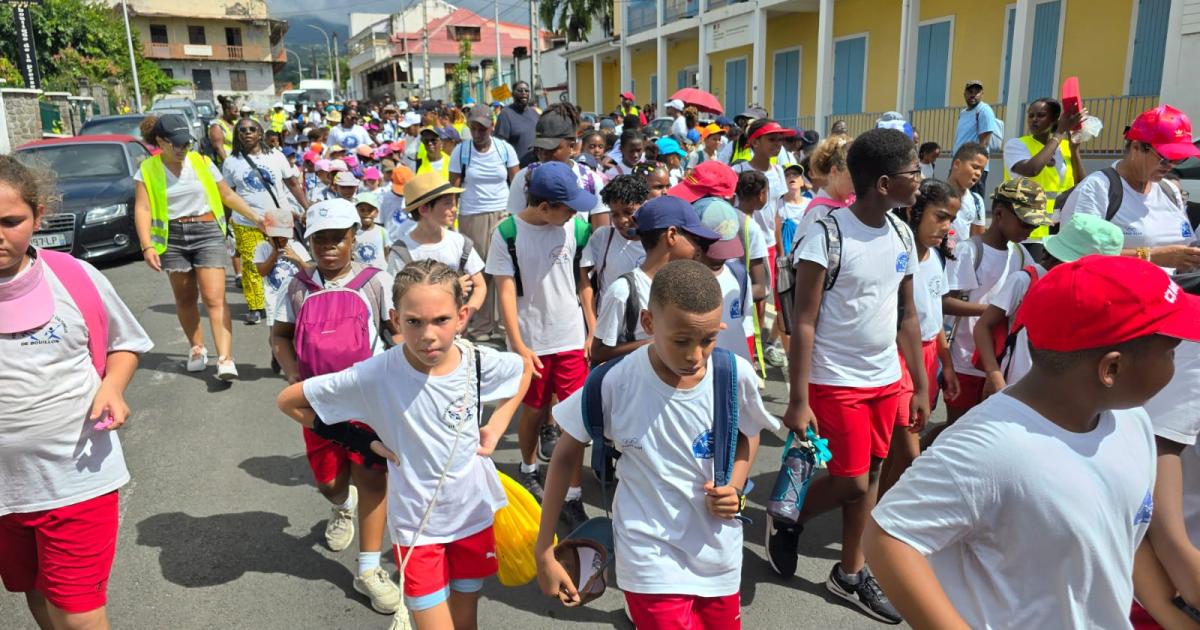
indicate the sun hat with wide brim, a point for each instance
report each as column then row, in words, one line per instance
column 426, row 187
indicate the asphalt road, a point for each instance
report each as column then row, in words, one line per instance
column 222, row 528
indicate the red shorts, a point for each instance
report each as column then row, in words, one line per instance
column 929, row 355
column 562, row 374
column 970, row 392
column 328, row 459
column 684, row 612
column 433, row 567
column 858, row 423
column 66, row 553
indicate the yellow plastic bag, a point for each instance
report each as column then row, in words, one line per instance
column 516, row 530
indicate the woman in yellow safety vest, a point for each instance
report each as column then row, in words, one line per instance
column 179, row 213
column 220, row 131
column 1046, row 154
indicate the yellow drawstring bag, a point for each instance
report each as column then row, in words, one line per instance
column 516, row 531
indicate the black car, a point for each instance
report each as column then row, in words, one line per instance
column 94, row 220
column 121, row 124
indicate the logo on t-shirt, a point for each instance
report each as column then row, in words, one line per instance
column 704, row 445
column 901, row 262
column 366, row 252
column 1185, row 230
column 558, row 256
column 282, row 273
column 1146, row 510
column 260, row 182
column 53, row 332
column 735, row 309
column 459, row 411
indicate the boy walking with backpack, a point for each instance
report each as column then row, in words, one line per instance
column 334, row 315
column 615, row 249
column 968, row 167
column 685, row 418
column 534, row 257
column 854, row 274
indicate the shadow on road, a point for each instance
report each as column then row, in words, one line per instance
column 280, row 470
column 175, row 363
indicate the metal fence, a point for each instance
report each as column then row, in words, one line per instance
column 52, row 122
column 641, row 15
column 680, row 9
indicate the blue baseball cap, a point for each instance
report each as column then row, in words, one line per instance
column 667, row 211
column 725, row 121
column 289, row 151
column 556, row 183
column 667, row 146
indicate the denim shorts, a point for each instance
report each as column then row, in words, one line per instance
column 191, row 245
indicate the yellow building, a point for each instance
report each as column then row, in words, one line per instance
column 812, row 62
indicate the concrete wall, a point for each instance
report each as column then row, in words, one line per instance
column 260, row 80
column 22, row 117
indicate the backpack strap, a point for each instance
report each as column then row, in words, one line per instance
column 592, row 407
column 362, row 278
column 468, row 246
column 632, row 310
column 508, row 231
column 83, row 292
column 401, row 250
column 906, row 237
column 307, row 279
column 478, row 383
column 740, row 273
column 725, row 414
column 1116, row 192
column 833, row 249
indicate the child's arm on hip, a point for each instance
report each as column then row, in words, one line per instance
column 490, row 433
column 294, row 404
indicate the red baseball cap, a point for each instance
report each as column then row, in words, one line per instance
column 708, row 179
column 628, row 96
column 771, row 127
column 1166, row 129
column 1101, row 301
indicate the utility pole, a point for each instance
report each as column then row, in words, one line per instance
column 337, row 65
column 137, row 88
column 328, row 50
column 425, row 48
column 496, row 71
column 534, row 45
column 299, row 65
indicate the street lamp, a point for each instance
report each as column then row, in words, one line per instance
column 137, row 88
column 299, row 65
column 328, row 49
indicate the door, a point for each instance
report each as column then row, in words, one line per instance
column 933, row 65
column 735, row 86
column 786, row 87
column 1043, row 61
column 1149, row 46
column 202, row 80
column 849, row 69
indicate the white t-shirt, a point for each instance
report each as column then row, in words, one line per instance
column 927, row 170
column 929, row 285
column 1175, row 411
column 416, row 416
column 551, row 320
column 370, row 247
column 776, row 189
column 377, row 291
column 1008, row 299
column 733, row 314
column 855, row 341
column 275, row 284
column 589, row 180
column 610, row 320
column 350, row 138
column 1016, row 151
column 971, row 211
column 485, row 186
column 392, row 214
column 185, row 194
column 1003, row 491
column 757, row 238
column 251, row 183
column 50, row 454
column 447, row 251
column 611, row 255
column 1147, row 220
column 666, row 539
column 981, row 287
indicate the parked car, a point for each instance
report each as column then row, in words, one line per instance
column 185, row 107
column 121, row 125
column 659, row 127
column 95, row 180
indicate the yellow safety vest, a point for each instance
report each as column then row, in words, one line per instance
column 1048, row 178
column 278, row 121
column 227, row 129
column 426, row 166
column 154, row 176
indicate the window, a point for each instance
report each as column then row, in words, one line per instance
column 786, row 86
column 158, row 34
column 237, row 80
column 169, row 72
column 933, row 64
column 233, row 36
column 735, row 84
column 849, row 71
column 1149, row 46
column 196, row 35
column 459, row 33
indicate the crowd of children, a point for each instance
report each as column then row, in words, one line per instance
column 639, row 302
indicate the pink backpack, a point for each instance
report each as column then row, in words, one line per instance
column 333, row 327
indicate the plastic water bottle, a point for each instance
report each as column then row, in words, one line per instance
column 790, row 485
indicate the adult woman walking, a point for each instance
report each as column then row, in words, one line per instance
column 1046, row 154
column 262, row 177
column 179, row 213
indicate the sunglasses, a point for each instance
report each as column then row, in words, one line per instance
column 248, row 129
column 1162, row 160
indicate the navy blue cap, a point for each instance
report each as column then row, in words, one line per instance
column 725, row 121
column 556, row 183
column 289, row 151
column 667, row 211
column 449, row 133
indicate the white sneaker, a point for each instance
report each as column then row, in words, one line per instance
column 775, row 355
column 380, row 589
column 339, row 531
column 226, row 370
column 197, row 361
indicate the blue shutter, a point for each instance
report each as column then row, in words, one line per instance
column 933, row 49
column 849, row 67
column 1149, row 46
column 681, row 79
column 1043, row 60
column 786, row 87
column 735, row 86
column 1008, row 41
column 654, row 90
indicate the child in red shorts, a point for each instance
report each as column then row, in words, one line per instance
column 68, row 349
column 539, row 295
column 844, row 373
column 424, row 399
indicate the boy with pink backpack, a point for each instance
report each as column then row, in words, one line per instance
column 334, row 315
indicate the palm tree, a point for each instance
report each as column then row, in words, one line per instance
column 573, row 18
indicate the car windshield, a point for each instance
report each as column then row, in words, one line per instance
column 122, row 125
column 78, row 161
column 206, row 109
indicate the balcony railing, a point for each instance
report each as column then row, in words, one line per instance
column 717, row 4
column 680, row 9
column 641, row 15
column 216, row 53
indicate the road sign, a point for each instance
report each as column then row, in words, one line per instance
column 501, row 92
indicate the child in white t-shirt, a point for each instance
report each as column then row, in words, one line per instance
column 614, row 249
column 371, row 247
column 278, row 259
column 726, row 259
column 424, row 399
column 678, row 544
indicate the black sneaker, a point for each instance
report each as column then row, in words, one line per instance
column 783, row 542
column 253, row 317
column 547, row 440
column 864, row 593
column 573, row 514
column 530, row 481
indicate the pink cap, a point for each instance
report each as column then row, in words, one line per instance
column 324, row 165
column 26, row 302
column 372, row 173
column 1166, row 129
column 351, row 161
column 311, row 156
column 338, row 166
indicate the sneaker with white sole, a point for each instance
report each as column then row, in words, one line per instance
column 339, row 531
column 547, row 439
column 197, row 361
column 226, row 370
column 380, row 589
column 783, row 543
column 864, row 592
column 775, row 355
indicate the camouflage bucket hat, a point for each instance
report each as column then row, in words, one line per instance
column 1027, row 198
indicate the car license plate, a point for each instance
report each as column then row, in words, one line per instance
column 49, row 240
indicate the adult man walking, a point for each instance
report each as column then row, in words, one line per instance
column 517, row 123
column 976, row 123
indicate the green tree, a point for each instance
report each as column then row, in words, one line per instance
column 573, row 18
column 462, row 70
column 83, row 39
